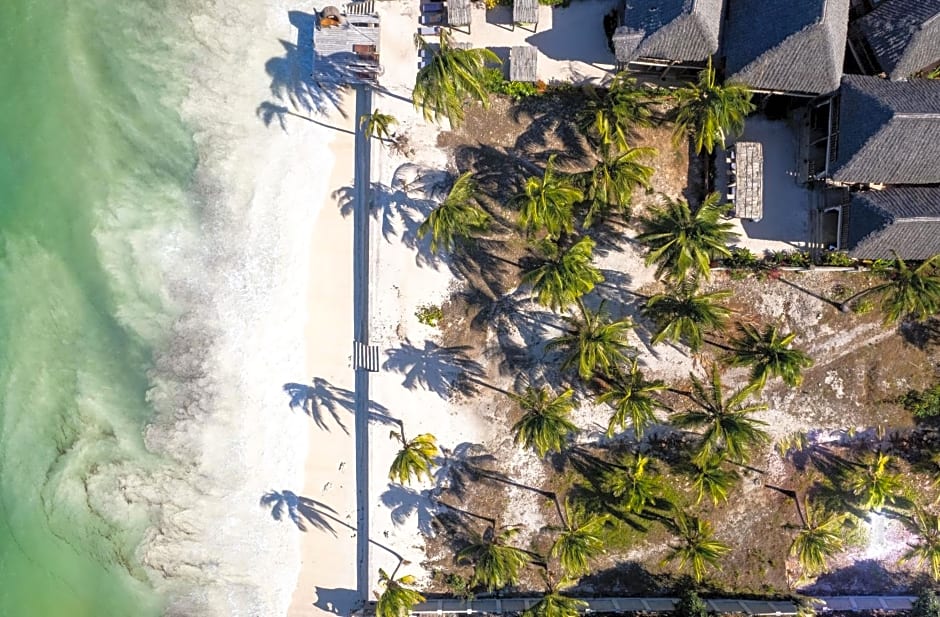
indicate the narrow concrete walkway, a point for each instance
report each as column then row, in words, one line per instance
column 665, row 605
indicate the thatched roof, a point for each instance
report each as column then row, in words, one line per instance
column 889, row 131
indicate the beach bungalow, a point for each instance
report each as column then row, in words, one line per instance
column 899, row 38
column 794, row 48
column 346, row 45
column 905, row 219
column 663, row 33
column 885, row 132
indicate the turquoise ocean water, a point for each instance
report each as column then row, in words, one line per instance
column 95, row 164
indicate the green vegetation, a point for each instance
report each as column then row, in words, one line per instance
column 398, row 597
column 429, row 315
column 451, row 77
column 710, row 112
column 553, row 222
column 923, row 403
column 458, row 217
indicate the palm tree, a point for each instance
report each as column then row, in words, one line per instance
column 680, row 241
column 873, row 480
column 697, row 548
column 579, row 541
column 451, row 77
column 593, row 342
column 564, row 275
column 907, row 292
column 681, row 314
column 554, row 603
column 632, row 398
column 398, row 598
column 457, row 218
column 768, row 353
column 378, row 124
column 607, row 118
column 547, row 202
column 709, row 112
column 927, row 546
column 710, row 478
column 632, row 484
column 496, row 564
column 729, row 429
column 610, row 185
column 544, row 425
column 821, row 536
column 415, row 459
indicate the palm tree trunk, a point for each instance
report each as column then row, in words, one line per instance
column 486, row 385
column 796, row 500
column 719, row 345
column 811, row 293
column 491, row 521
column 846, row 306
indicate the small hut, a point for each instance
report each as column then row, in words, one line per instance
column 522, row 63
column 458, row 14
column 330, row 17
column 525, row 12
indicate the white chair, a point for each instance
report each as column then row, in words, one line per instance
column 730, row 195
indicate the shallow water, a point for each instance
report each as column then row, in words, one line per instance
column 92, row 156
column 122, row 466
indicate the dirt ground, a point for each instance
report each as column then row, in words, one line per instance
column 846, row 402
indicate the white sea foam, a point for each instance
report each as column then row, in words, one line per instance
column 240, row 284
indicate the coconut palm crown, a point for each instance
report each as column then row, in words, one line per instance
column 710, row 112
column 768, row 353
column 633, row 399
column 415, row 459
column 451, row 77
column 728, row 426
column 926, row 548
column 683, row 314
column 579, row 541
column 547, row 203
column 682, row 242
column 821, row 537
column 593, row 342
column 874, row 481
column 496, row 563
column 398, row 598
column 544, row 426
column 457, row 218
column 697, row 549
column 609, row 186
column 565, row 275
column 907, row 292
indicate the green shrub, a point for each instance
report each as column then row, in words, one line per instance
column 923, row 404
column 797, row 259
column 926, row 605
column 494, row 83
column 836, row 258
column 742, row 259
column 690, row 605
column 863, row 306
column 429, row 315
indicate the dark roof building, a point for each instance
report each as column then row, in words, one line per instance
column 796, row 46
column 904, row 35
column 903, row 219
column 889, row 132
column 670, row 30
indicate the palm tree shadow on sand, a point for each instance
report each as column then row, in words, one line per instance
column 292, row 78
column 320, row 399
column 301, row 510
column 406, row 502
column 442, row 370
